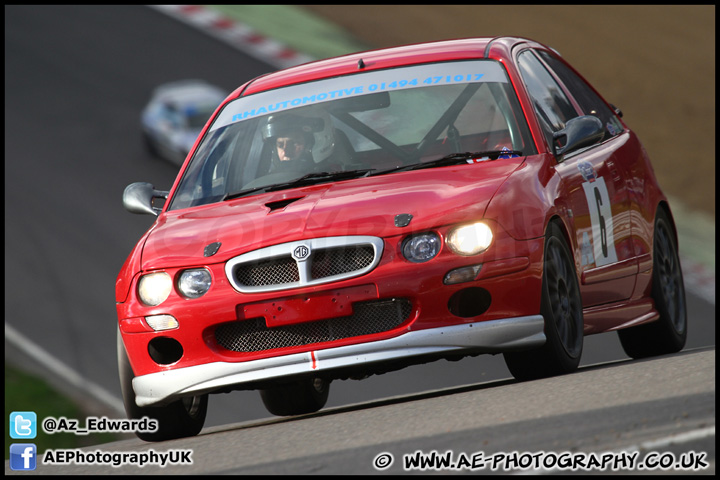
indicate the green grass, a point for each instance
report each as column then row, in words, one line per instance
column 27, row 393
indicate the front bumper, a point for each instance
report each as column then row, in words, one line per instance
column 493, row 336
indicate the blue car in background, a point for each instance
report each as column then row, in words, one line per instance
column 175, row 116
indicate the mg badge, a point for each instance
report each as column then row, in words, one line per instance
column 301, row 252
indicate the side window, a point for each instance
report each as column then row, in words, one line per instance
column 589, row 101
column 551, row 105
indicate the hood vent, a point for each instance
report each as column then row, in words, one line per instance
column 280, row 204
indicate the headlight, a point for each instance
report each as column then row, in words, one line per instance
column 194, row 283
column 154, row 288
column 470, row 239
column 421, row 248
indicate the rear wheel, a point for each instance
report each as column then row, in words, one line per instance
column 669, row 333
column 182, row 418
column 304, row 396
column 561, row 307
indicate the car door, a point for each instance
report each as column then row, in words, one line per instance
column 593, row 180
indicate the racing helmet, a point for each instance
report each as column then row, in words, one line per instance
column 287, row 124
column 314, row 123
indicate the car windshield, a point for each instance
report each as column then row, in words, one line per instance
column 355, row 125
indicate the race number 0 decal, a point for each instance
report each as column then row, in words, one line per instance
column 601, row 220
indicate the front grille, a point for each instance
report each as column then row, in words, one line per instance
column 336, row 261
column 324, row 260
column 323, row 263
column 276, row 271
column 253, row 335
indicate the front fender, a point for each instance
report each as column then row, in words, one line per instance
column 526, row 201
column 128, row 271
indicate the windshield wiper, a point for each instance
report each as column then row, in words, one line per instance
column 242, row 193
column 454, row 159
column 320, row 177
column 309, row 179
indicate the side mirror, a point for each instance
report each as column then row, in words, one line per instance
column 138, row 198
column 579, row 132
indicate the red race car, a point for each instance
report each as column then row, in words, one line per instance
column 364, row 213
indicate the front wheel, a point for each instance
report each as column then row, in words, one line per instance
column 303, row 396
column 669, row 333
column 182, row 418
column 561, row 307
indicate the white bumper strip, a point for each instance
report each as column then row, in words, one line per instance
column 482, row 337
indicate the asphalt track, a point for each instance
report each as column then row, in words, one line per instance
column 63, row 225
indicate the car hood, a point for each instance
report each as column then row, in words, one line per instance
column 365, row 206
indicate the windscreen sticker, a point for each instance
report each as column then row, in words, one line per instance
column 477, row 160
column 611, row 128
column 507, row 153
column 348, row 86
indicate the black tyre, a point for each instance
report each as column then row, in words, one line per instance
column 561, row 307
column 304, row 396
column 183, row 418
column 669, row 333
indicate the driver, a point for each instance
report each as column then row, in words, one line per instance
column 291, row 138
column 303, row 140
column 291, row 146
